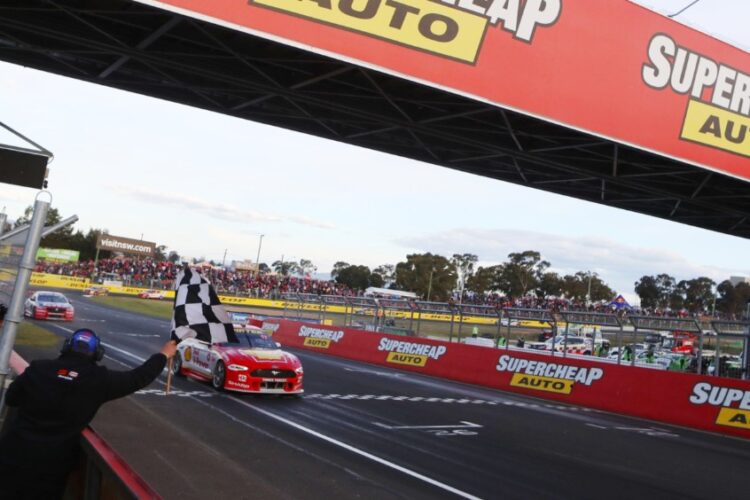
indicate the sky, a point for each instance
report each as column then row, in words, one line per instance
column 208, row 185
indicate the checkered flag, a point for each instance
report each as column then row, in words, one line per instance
column 198, row 312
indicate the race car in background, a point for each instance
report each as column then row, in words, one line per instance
column 254, row 364
column 152, row 294
column 48, row 305
column 572, row 343
column 95, row 291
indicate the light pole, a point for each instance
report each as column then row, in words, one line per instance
column 588, row 291
column 257, row 257
column 429, row 285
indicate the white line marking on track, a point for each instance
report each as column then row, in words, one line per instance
column 357, row 451
column 463, row 425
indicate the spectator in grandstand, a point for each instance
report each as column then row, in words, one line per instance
column 55, row 400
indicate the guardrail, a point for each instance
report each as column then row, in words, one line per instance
column 102, row 473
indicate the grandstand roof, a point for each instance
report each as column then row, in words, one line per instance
column 147, row 50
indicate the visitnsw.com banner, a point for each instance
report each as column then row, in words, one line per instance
column 611, row 68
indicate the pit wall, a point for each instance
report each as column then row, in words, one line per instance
column 708, row 403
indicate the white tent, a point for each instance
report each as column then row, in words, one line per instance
column 387, row 292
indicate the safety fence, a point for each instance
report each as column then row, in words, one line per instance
column 101, row 473
column 700, row 401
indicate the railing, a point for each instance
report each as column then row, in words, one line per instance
column 720, row 348
column 102, row 473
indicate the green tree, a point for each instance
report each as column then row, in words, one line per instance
column 386, row 275
column 550, row 285
column 285, row 268
column 464, row 264
column 306, row 267
column 173, row 257
column 648, row 291
column 699, row 294
column 483, row 280
column 666, row 284
column 355, row 277
column 430, row 276
column 732, row 299
column 521, row 273
column 337, row 267
column 160, row 253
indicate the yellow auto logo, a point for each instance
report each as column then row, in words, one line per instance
column 188, row 354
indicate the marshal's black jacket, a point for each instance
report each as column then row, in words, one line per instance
column 56, row 399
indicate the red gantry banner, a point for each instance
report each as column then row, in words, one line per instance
column 610, row 68
column 709, row 403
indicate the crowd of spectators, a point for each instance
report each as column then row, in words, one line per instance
column 161, row 275
column 150, row 273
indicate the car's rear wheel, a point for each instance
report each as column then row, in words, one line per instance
column 219, row 375
column 177, row 365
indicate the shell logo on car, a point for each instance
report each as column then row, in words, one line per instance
column 320, row 337
column 547, row 377
column 410, row 353
column 734, row 404
column 263, row 355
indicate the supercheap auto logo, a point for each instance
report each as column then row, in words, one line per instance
column 718, row 110
column 410, row 353
column 450, row 28
column 734, row 404
column 319, row 337
column 547, row 377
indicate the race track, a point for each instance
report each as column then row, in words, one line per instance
column 363, row 431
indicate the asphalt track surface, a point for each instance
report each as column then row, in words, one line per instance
column 363, row 431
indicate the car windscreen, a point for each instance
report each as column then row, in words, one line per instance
column 253, row 340
column 52, row 298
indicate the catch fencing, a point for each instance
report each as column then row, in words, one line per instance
column 718, row 348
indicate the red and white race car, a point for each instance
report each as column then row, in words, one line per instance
column 255, row 364
column 152, row 294
column 48, row 305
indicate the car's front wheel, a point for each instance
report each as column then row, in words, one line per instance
column 177, row 365
column 219, row 375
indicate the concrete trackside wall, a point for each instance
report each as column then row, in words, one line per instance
column 701, row 402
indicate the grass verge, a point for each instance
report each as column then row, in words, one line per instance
column 31, row 335
column 161, row 309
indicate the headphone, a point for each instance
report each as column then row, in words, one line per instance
column 84, row 341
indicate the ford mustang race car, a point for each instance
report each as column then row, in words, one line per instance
column 152, row 294
column 48, row 305
column 254, row 364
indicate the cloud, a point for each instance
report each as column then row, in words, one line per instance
column 618, row 264
column 221, row 211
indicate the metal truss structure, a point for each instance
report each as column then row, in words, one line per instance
column 142, row 49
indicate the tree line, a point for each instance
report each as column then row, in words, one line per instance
column 436, row 277
column 697, row 295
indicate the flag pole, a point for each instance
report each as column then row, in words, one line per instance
column 169, row 375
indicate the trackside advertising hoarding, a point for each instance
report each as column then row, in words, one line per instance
column 611, row 68
column 125, row 245
column 702, row 402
